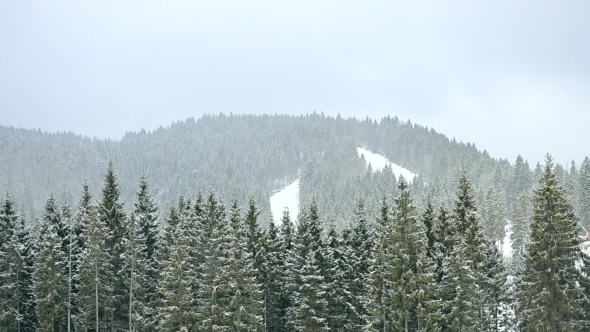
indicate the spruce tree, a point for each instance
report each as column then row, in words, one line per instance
column 111, row 213
column 212, row 295
column 177, row 249
column 288, row 281
column 551, row 296
column 95, row 296
column 378, row 278
column 245, row 306
column 146, row 229
column 412, row 289
column 274, row 308
column 357, row 255
column 464, row 282
column 309, row 307
column 50, row 280
column 17, row 302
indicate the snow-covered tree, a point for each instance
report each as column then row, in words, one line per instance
column 50, row 279
column 551, row 296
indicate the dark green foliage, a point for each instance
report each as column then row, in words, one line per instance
column 551, row 296
column 50, row 278
column 309, row 305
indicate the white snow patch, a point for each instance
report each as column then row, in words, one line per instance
column 507, row 242
column 586, row 247
column 287, row 197
column 378, row 162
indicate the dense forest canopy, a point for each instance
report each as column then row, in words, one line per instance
column 170, row 230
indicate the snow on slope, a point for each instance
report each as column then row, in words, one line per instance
column 378, row 162
column 287, row 197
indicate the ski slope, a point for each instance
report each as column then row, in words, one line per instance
column 287, row 197
column 378, row 162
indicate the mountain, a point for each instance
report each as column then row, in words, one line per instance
column 251, row 156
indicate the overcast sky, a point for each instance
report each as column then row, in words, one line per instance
column 513, row 77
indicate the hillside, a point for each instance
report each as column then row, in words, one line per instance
column 248, row 156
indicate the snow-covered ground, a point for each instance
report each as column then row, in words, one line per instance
column 378, row 162
column 287, row 197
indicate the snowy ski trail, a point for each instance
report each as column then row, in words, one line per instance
column 378, row 162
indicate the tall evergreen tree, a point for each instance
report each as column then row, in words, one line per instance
column 273, row 284
column 111, row 213
column 308, row 311
column 177, row 251
column 17, row 302
column 378, row 278
column 245, row 307
column 412, row 289
column 95, row 296
column 212, row 295
column 50, row 279
column 550, row 294
column 357, row 255
column 146, row 229
column 464, row 274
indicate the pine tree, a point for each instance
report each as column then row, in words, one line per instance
column 551, row 297
column 111, row 213
column 412, row 291
column 360, row 244
column 378, row 278
column 95, row 296
column 254, row 239
column 244, row 310
column 288, row 272
column 274, row 309
column 177, row 251
column 50, row 280
column 17, row 303
column 308, row 311
column 146, row 227
column 464, row 283
column 212, row 295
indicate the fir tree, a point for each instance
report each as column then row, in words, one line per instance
column 244, row 310
column 411, row 273
column 360, row 244
column 212, row 295
column 50, row 280
column 95, row 296
column 177, row 271
column 111, row 213
column 274, row 308
column 17, row 303
column 378, row 278
column 308, row 311
column 551, row 296
column 146, row 229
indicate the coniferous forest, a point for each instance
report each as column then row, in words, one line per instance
column 366, row 252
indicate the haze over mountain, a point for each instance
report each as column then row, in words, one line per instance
column 513, row 78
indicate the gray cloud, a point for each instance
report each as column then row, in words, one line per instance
column 512, row 77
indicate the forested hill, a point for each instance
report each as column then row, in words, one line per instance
column 250, row 156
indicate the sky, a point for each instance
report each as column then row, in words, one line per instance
column 513, row 77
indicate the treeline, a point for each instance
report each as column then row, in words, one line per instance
column 211, row 267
